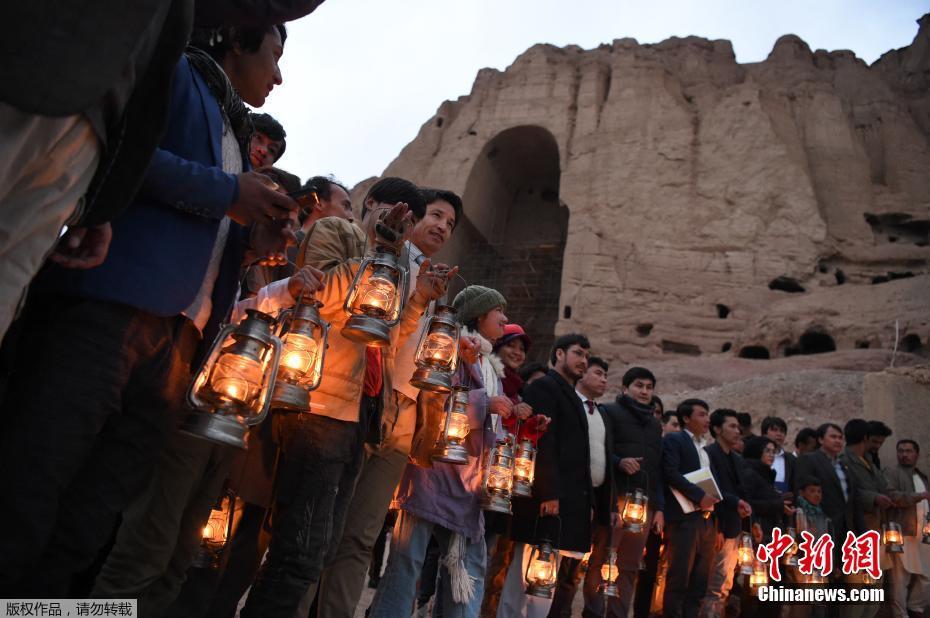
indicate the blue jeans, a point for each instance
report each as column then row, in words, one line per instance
column 397, row 590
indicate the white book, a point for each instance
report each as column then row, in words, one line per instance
column 704, row 479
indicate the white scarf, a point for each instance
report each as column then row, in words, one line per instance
column 491, row 366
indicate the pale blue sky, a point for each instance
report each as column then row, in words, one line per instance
column 361, row 76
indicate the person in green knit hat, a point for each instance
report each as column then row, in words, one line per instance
column 443, row 500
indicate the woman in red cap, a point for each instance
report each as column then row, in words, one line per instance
column 511, row 348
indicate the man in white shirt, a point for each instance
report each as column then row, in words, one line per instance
column 690, row 535
column 590, row 388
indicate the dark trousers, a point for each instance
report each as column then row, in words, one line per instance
column 629, row 546
column 691, row 556
column 565, row 587
column 377, row 552
column 87, row 411
column 642, row 600
column 320, row 461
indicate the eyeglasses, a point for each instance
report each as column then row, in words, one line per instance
column 769, row 451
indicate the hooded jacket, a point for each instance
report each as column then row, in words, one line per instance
column 450, row 494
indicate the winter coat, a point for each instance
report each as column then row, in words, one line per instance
column 450, row 494
column 758, row 481
column 637, row 433
column 334, row 244
column 563, row 470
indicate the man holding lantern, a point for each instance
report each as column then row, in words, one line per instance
column 321, row 449
column 637, row 462
column 444, row 500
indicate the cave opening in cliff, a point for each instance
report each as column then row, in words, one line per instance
column 757, row 352
column 514, row 231
column 813, row 341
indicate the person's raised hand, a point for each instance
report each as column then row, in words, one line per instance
column 549, row 507
column 630, row 465
column 307, row 280
column 468, row 349
column 501, row 405
column 523, row 411
column 259, row 200
column 83, row 247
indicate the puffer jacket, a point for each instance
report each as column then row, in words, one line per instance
column 449, row 494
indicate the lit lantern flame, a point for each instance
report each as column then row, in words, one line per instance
column 237, row 378
column 299, row 353
column 894, row 538
column 377, row 296
column 541, row 570
column 746, row 556
column 759, row 576
column 926, row 530
column 499, row 478
column 439, row 347
column 609, row 571
column 634, row 511
column 458, row 427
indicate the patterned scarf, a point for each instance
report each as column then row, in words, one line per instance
column 236, row 112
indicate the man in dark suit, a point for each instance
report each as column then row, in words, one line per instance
column 106, row 353
column 775, row 429
column 839, row 489
column 566, row 481
column 728, row 513
column 690, row 539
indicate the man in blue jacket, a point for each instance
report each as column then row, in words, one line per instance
column 105, row 353
column 690, row 540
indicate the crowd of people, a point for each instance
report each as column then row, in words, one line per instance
column 105, row 497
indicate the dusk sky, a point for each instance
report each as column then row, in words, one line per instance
column 361, row 76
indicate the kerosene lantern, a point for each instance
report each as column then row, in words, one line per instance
column 216, row 532
column 634, row 511
column 450, row 447
column 745, row 555
column 303, row 335
column 790, row 557
column 376, row 297
column 437, row 352
column 232, row 389
column 759, row 576
column 609, row 574
column 926, row 530
column 894, row 538
column 541, row 571
column 524, row 462
column 498, row 478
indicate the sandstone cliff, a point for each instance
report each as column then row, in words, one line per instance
column 706, row 208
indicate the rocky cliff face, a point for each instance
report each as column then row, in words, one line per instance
column 705, row 207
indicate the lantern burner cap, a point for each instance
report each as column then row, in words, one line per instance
column 218, row 428
column 370, row 331
column 451, row 453
column 290, row 397
column 430, row 379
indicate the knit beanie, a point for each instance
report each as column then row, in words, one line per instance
column 476, row 300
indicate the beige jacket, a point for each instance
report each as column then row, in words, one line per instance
column 337, row 246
